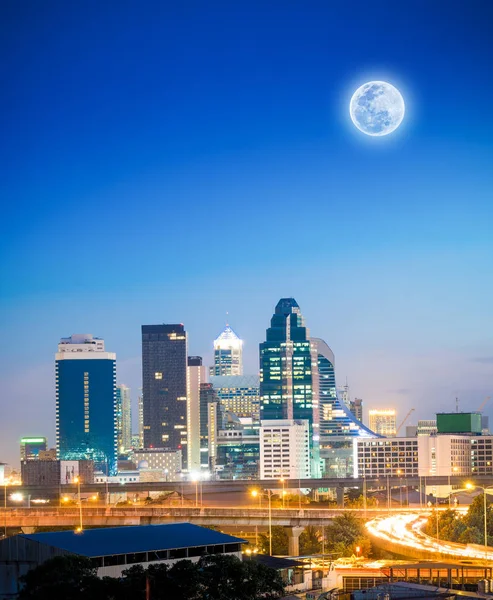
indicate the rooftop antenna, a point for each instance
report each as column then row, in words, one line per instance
column 227, row 315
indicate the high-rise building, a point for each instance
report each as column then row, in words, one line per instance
column 284, row 449
column 123, row 413
column 238, row 394
column 289, row 372
column 164, row 378
column 196, row 375
column 85, row 401
column 383, row 421
column 338, row 425
column 207, row 397
column 140, row 409
column 356, row 407
column 228, row 354
column 31, row 447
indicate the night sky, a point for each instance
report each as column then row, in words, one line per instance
column 175, row 161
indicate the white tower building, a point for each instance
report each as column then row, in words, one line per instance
column 228, row 354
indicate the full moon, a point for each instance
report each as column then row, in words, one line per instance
column 377, row 108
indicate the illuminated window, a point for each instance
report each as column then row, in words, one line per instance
column 158, row 375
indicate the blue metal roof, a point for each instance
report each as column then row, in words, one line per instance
column 126, row 540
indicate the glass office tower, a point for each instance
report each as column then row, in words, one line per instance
column 338, row 425
column 85, row 402
column 164, row 379
column 289, row 382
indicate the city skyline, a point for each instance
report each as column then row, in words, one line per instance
column 173, row 165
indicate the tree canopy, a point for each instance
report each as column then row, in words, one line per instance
column 215, row 577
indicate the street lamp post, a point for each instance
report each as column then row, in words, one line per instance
column 77, row 481
column 268, row 493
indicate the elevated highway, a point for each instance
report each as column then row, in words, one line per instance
column 209, row 487
column 146, row 515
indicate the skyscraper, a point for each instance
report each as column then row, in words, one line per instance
column 123, row 418
column 228, row 354
column 164, row 378
column 289, row 383
column 338, row 425
column 196, row 375
column 383, row 421
column 85, row 401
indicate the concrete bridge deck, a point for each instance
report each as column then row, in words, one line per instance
column 145, row 515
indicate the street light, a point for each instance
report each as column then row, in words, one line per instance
column 77, row 481
column 268, row 493
column 471, row 486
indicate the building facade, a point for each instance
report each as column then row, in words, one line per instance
column 228, row 354
column 85, row 401
column 196, row 376
column 338, row 425
column 238, row 450
column 207, row 406
column 285, row 449
column 383, row 421
column 31, row 447
column 289, row 373
column 123, row 413
column 426, row 427
column 482, row 455
column 167, row 461
column 397, row 457
column 356, row 407
column 239, row 394
column 164, row 378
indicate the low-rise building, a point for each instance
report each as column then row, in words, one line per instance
column 55, row 472
column 112, row 550
column 168, row 461
column 395, row 457
column 31, row 447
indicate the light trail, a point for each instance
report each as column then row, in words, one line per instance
column 405, row 530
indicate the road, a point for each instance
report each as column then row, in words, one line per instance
column 404, row 530
column 145, row 515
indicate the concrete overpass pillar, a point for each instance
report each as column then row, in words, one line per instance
column 28, row 530
column 294, row 540
column 340, row 496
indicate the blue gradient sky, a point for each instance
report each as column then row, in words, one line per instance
column 174, row 161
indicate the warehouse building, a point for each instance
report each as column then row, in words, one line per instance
column 111, row 550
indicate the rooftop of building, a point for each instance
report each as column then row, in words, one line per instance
column 227, row 338
column 234, row 381
column 127, row 540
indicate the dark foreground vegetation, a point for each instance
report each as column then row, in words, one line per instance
column 215, row 577
column 342, row 537
column 467, row 528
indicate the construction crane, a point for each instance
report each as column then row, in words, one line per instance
column 483, row 404
column 404, row 420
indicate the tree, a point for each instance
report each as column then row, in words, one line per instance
column 61, row 578
column 280, row 542
column 345, row 533
column 310, row 541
